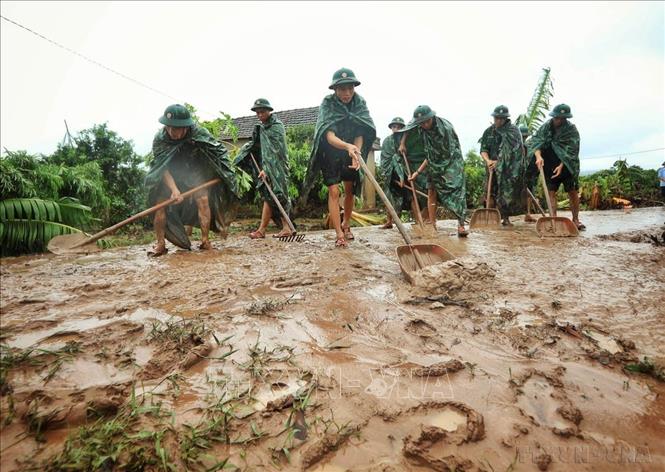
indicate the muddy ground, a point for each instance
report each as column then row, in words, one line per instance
column 303, row 356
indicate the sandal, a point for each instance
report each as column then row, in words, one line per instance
column 580, row 226
column 257, row 235
column 348, row 235
column 341, row 242
column 386, row 226
column 461, row 232
column 155, row 253
column 206, row 246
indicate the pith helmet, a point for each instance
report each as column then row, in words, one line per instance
column 396, row 121
column 501, row 112
column 423, row 113
column 261, row 103
column 177, row 116
column 344, row 76
column 561, row 111
column 524, row 130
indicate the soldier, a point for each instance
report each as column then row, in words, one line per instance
column 443, row 160
column 393, row 171
column 531, row 172
column 268, row 146
column 556, row 146
column 185, row 156
column 501, row 149
column 344, row 134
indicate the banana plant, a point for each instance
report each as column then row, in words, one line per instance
column 28, row 224
column 540, row 103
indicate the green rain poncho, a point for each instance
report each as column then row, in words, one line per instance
column 504, row 145
column 530, row 170
column 564, row 141
column 353, row 117
column 191, row 161
column 392, row 169
column 445, row 166
column 268, row 145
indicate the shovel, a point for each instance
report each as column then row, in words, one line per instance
column 411, row 257
column 293, row 236
column 80, row 243
column 487, row 217
column 553, row 226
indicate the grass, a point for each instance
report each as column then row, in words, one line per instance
column 266, row 306
column 646, row 366
column 260, row 358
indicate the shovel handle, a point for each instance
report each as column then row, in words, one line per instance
column 418, row 215
column 489, row 186
column 274, row 197
column 422, row 194
column 392, row 212
column 150, row 210
column 536, row 202
column 546, row 191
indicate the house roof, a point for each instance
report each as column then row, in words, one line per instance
column 297, row 116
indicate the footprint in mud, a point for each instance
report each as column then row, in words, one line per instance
column 420, row 328
column 541, row 398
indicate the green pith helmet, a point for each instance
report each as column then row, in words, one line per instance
column 423, row 113
column 501, row 112
column 261, row 103
column 176, row 116
column 397, row 121
column 344, row 76
column 524, row 130
column 561, row 111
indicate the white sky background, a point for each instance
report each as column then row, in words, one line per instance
column 607, row 63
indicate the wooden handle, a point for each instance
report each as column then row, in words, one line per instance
column 489, row 186
column 418, row 215
column 150, row 210
column 392, row 212
column 546, row 191
column 422, row 194
column 537, row 203
column 274, row 197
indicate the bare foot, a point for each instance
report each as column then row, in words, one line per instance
column 388, row 225
column 158, row 251
column 529, row 219
column 205, row 246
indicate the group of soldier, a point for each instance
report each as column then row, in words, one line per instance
column 187, row 155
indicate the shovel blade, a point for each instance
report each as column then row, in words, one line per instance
column 64, row 244
column 292, row 238
column 556, row 227
column 484, row 218
column 429, row 253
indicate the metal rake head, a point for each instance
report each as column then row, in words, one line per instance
column 292, row 238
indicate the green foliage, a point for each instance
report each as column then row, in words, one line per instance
column 474, row 171
column 122, row 171
column 633, row 183
column 540, row 103
column 28, row 224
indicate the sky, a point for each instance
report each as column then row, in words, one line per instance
column 462, row 59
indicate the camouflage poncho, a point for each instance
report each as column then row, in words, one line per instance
column 564, row 141
column 191, row 161
column 392, row 169
column 531, row 173
column 445, row 163
column 268, row 145
column 333, row 112
column 504, row 145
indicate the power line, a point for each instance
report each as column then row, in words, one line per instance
column 622, row 154
column 76, row 53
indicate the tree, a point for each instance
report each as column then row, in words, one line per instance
column 474, row 172
column 122, row 169
column 539, row 104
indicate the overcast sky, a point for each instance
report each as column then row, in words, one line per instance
column 607, row 63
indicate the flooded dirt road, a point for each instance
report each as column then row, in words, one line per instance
column 305, row 357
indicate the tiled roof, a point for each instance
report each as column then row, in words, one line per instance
column 298, row 116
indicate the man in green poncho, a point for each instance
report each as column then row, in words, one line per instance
column 393, row 171
column 268, row 146
column 443, row 160
column 344, row 133
column 186, row 156
column 530, row 173
column 556, row 146
column 501, row 149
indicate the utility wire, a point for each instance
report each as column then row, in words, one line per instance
column 76, row 53
column 622, row 154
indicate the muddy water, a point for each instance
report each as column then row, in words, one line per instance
column 540, row 347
